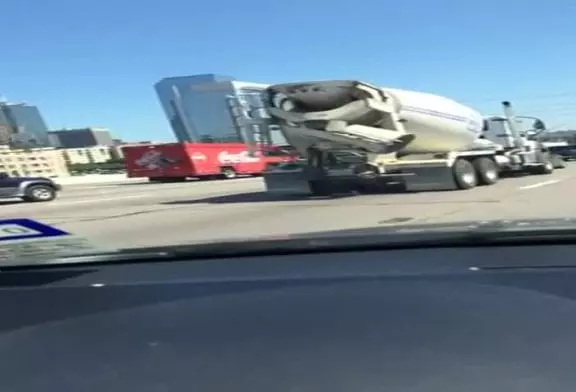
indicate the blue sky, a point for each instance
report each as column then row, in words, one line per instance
column 93, row 63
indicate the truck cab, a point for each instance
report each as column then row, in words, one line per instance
column 509, row 133
column 29, row 189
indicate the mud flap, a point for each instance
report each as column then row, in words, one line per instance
column 557, row 161
column 432, row 178
column 289, row 182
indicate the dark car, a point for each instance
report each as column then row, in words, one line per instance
column 30, row 189
column 568, row 154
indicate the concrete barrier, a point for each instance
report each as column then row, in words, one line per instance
column 96, row 179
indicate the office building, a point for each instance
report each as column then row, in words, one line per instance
column 5, row 130
column 89, row 155
column 81, row 137
column 210, row 108
column 25, row 125
column 33, row 162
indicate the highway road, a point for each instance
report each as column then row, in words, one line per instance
column 143, row 214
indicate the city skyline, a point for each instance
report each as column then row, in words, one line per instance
column 22, row 125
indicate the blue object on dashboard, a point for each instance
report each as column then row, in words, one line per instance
column 24, row 229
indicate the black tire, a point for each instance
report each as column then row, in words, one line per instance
column 464, row 174
column 228, row 173
column 39, row 193
column 486, row 170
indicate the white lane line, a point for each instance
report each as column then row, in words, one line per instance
column 540, row 184
column 143, row 195
column 63, row 203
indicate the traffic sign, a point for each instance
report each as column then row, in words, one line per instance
column 27, row 229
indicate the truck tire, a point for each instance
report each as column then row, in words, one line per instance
column 464, row 174
column 486, row 170
column 39, row 193
column 228, row 173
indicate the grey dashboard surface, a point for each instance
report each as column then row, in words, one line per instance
column 477, row 319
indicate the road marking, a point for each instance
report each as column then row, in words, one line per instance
column 191, row 185
column 539, row 184
column 99, row 200
column 58, row 203
column 224, row 192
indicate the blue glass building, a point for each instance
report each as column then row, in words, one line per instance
column 26, row 125
column 5, row 130
column 198, row 107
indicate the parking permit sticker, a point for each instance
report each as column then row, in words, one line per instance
column 17, row 229
column 25, row 241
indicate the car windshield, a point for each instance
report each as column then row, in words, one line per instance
column 129, row 126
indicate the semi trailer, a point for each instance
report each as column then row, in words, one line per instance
column 351, row 135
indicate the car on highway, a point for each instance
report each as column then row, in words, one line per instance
column 29, row 189
column 568, row 154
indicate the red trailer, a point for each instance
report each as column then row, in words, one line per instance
column 178, row 161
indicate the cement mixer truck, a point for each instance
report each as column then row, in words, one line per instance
column 353, row 135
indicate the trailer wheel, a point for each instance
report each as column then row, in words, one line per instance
column 464, row 174
column 486, row 170
column 228, row 173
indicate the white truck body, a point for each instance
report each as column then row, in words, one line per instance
column 428, row 141
column 438, row 124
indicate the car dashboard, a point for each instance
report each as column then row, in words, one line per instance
column 446, row 319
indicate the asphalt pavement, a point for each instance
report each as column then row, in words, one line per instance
column 146, row 214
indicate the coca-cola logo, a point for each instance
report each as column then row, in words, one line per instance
column 242, row 157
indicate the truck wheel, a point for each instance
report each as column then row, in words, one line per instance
column 464, row 174
column 486, row 170
column 39, row 193
column 228, row 173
